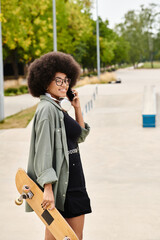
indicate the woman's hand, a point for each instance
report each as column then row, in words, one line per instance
column 48, row 197
column 76, row 102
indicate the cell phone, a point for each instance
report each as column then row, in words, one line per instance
column 70, row 94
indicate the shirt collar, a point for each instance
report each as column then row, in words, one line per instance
column 50, row 99
column 49, row 95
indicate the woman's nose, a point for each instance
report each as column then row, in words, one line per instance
column 64, row 82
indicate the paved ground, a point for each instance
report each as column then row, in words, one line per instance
column 16, row 104
column 121, row 164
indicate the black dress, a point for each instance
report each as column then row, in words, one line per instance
column 77, row 201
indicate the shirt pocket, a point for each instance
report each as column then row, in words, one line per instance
column 58, row 138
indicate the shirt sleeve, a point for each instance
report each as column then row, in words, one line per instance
column 43, row 160
column 84, row 133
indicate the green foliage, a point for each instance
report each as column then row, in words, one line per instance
column 121, row 51
column 32, row 28
column 141, row 31
column 148, row 65
column 16, row 91
column 27, row 28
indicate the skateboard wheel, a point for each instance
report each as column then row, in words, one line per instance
column 66, row 238
column 26, row 189
column 18, row 201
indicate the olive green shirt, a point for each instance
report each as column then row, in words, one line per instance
column 48, row 157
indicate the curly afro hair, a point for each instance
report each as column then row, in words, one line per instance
column 42, row 71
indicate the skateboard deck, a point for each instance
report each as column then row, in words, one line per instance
column 53, row 220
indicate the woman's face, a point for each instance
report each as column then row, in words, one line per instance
column 58, row 91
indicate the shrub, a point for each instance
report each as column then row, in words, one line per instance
column 16, row 91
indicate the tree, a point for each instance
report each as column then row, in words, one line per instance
column 107, row 42
column 157, row 46
column 121, row 51
column 131, row 31
column 30, row 34
column 148, row 17
column 140, row 30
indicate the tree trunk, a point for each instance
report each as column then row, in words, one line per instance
column 14, row 59
column 25, row 69
column 151, row 60
column 134, row 65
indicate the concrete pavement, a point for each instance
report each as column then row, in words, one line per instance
column 15, row 104
column 120, row 160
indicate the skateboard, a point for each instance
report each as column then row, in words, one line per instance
column 53, row 220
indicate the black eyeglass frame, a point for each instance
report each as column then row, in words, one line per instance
column 66, row 80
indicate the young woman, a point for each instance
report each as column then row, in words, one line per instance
column 54, row 159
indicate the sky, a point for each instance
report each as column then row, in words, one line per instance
column 114, row 10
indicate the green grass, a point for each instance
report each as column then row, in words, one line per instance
column 18, row 120
column 148, row 65
column 125, row 65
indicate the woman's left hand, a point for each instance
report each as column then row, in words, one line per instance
column 76, row 102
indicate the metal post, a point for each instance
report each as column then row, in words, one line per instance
column 1, row 76
column 98, row 47
column 54, row 26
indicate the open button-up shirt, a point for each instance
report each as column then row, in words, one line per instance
column 48, row 158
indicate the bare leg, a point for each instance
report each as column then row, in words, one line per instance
column 48, row 235
column 77, row 224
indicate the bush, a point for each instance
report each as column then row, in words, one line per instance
column 16, row 91
column 23, row 89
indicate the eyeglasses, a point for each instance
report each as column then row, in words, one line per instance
column 60, row 81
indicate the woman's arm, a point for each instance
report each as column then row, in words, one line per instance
column 79, row 117
column 43, row 165
column 48, row 197
column 77, row 107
